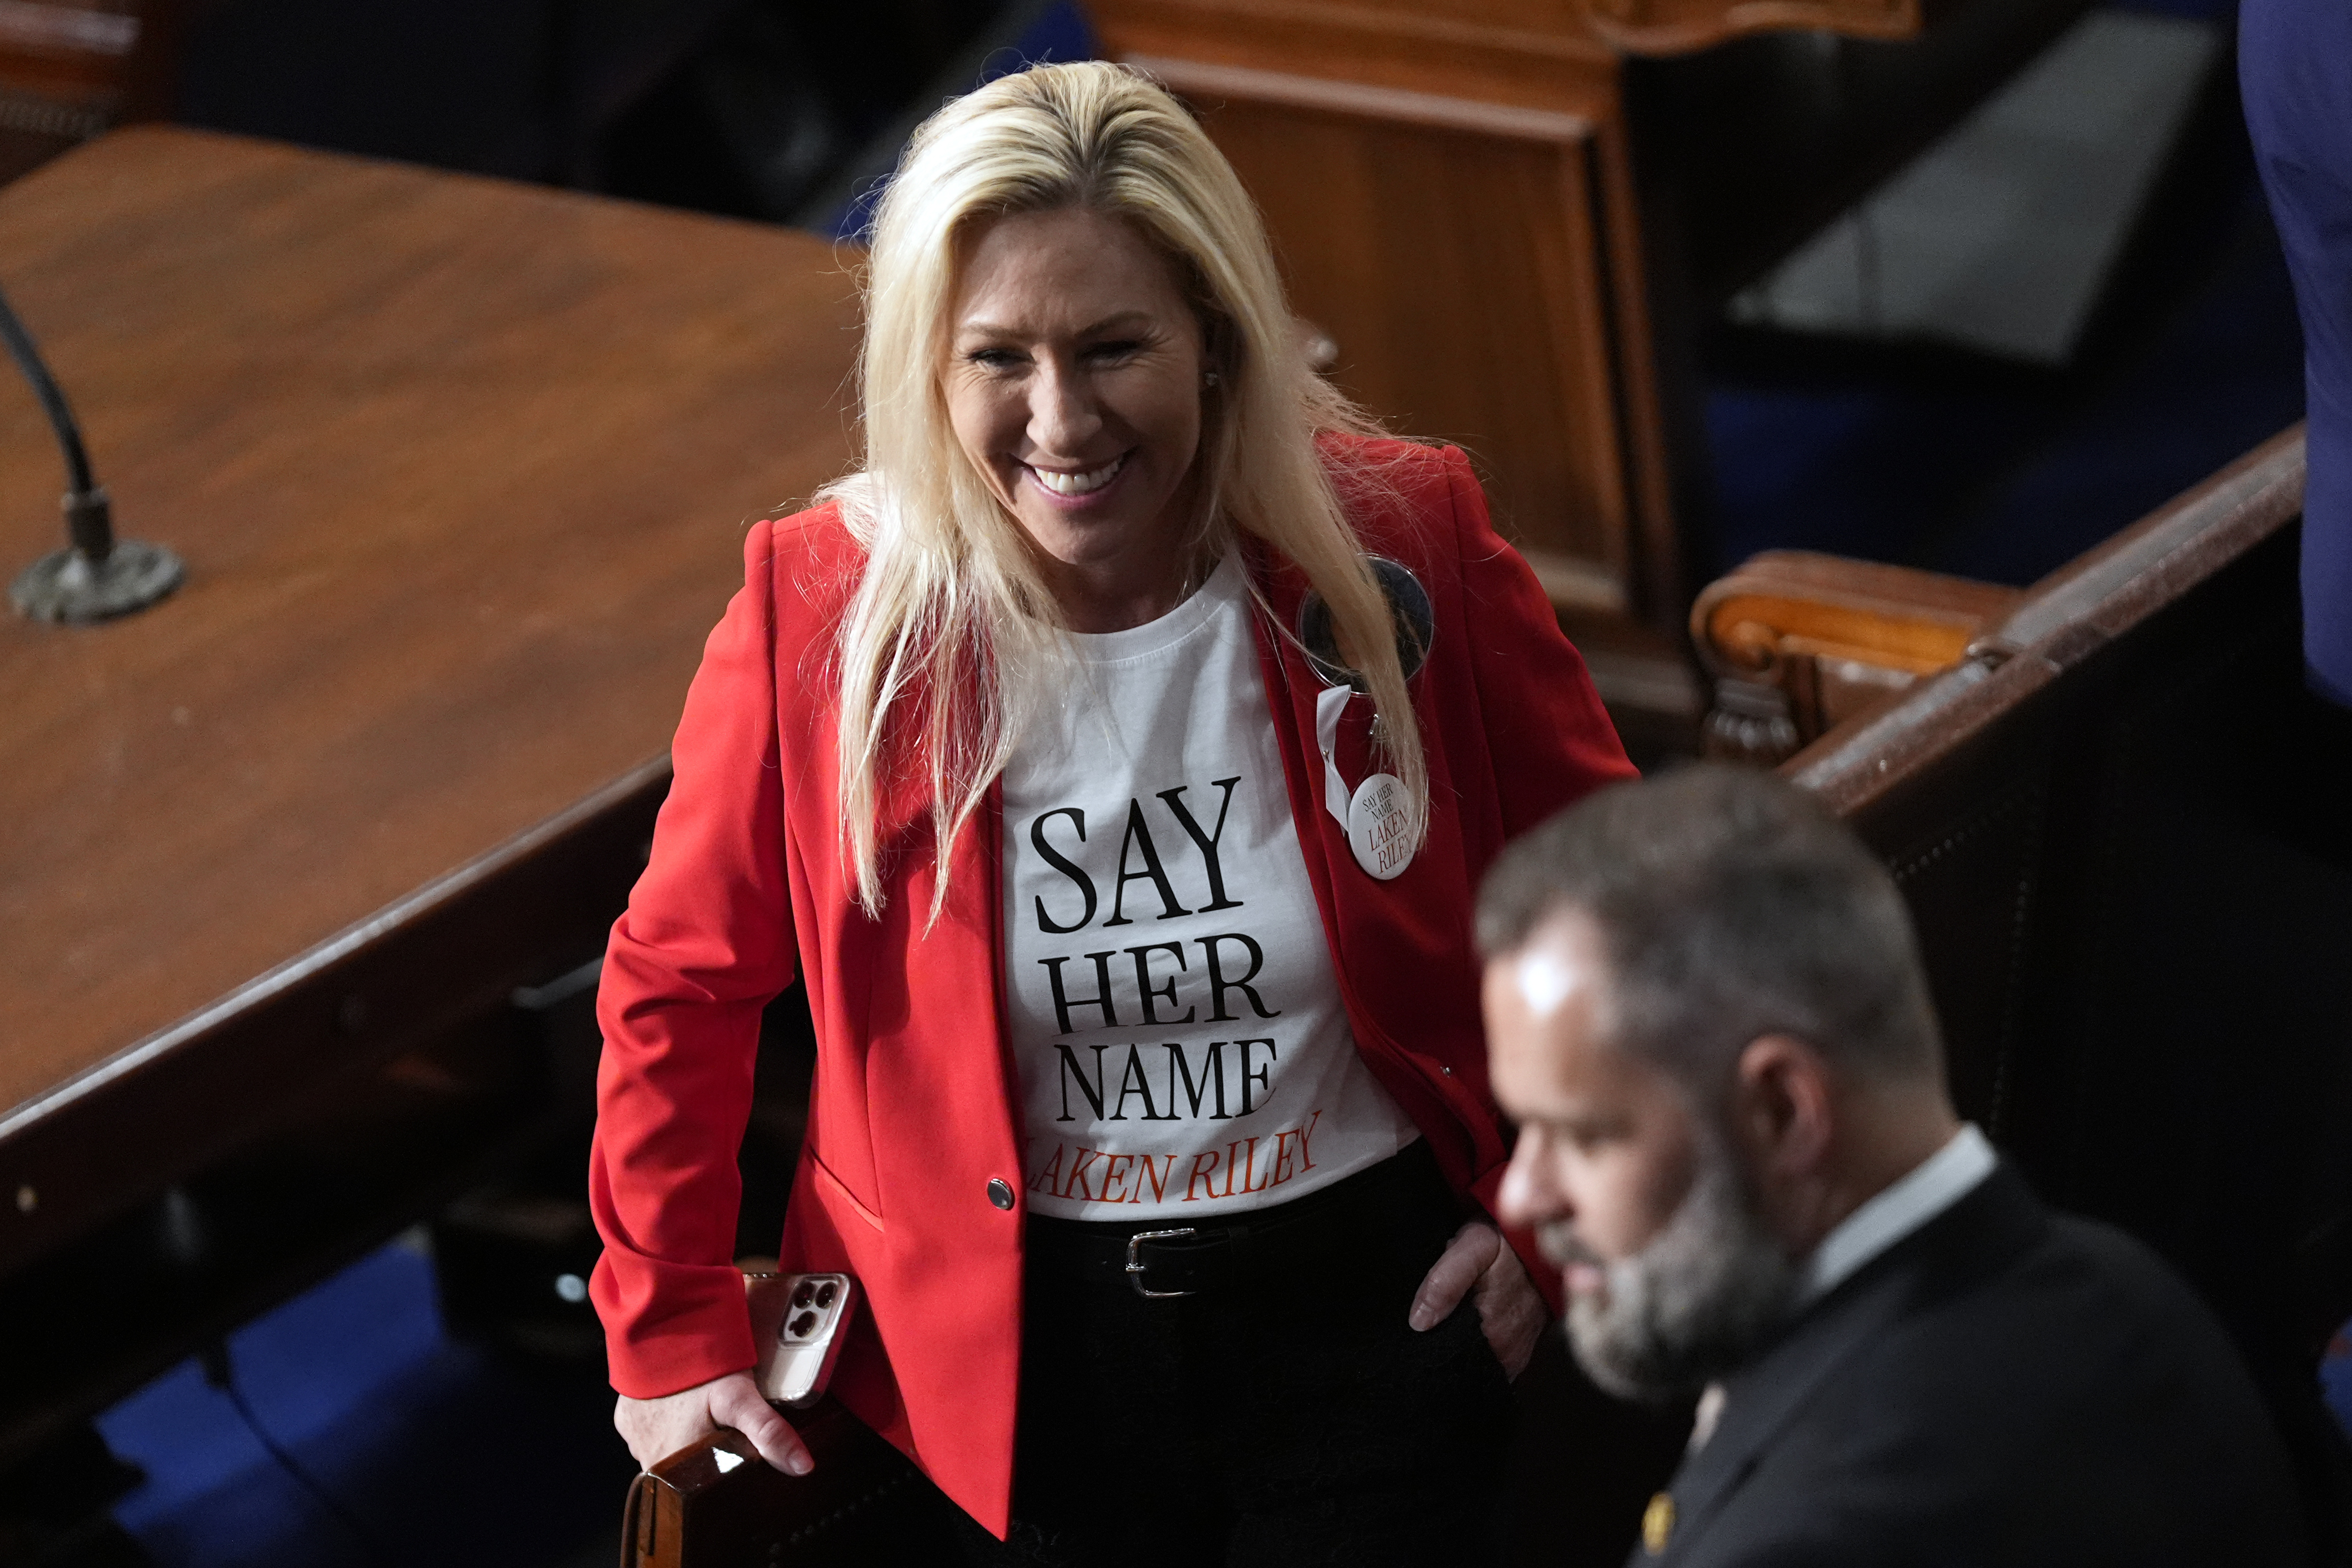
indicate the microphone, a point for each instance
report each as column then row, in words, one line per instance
column 97, row 576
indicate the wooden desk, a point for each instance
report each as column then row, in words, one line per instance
column 460, row 470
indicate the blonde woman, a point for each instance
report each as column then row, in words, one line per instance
column 1114, row 760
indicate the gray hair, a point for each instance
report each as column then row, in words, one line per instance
column 1731, row 905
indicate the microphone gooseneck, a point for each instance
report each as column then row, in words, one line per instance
column 52, row 396
column 95, row 578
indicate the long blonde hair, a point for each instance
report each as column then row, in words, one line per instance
column 950, row 592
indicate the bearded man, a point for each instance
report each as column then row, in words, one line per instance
column 1706, row 1009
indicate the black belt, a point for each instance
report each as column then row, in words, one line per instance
column 1314, row 1235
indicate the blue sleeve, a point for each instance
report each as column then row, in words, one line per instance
column 2295, row 67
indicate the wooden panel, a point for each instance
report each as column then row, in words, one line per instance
column 1450, row 194
column 1450, row 251
column 70, row 69
column 1541, row 53
column 1524, row 22
column 76, row 53
column 1562, row 27
column 1677, row 26
column 2120, row 829
column 460, row 470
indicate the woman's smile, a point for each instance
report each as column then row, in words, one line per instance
column 1077, row 486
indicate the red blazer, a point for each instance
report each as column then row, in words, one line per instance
column 914, row 1108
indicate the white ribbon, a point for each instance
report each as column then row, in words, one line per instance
column 1327, row 709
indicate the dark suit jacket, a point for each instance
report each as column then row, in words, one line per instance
column 2005, row 1386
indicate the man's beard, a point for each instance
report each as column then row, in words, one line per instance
column 1694, row 1304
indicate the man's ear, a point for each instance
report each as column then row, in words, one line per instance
column 1780, row 1108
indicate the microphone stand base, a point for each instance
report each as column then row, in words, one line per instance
column 67, row 586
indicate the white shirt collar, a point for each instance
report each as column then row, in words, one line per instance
column 1935, row 1184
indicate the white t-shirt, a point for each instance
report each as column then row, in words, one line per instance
column 1181, row 1046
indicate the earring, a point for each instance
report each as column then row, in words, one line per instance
column 1208, row 378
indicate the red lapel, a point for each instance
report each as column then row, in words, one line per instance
column 1399, row 948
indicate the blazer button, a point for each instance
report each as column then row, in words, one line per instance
column 1000, row 1191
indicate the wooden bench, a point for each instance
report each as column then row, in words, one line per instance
column 2124, row 829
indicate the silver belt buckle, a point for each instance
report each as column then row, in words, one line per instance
column 1136, row 1266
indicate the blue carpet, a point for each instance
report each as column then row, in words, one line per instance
column 438, row 1452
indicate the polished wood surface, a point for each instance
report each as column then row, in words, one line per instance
column 1809, row 648
column 73, row 54
column 1799, row 643
column 1449, row 328
column 460, row 470
column 1525, row 51
column 1674, row 27
column 1787, row 602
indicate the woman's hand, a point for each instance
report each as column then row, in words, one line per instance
column 1478, row 1263
column 656, row 1428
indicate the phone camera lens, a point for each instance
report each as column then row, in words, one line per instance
column 803, row 1323
column 827, row 1292
column 804, row 1295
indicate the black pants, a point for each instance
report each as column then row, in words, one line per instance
column 1285, row 1414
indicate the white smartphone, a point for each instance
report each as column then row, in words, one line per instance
column 798, row 1323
